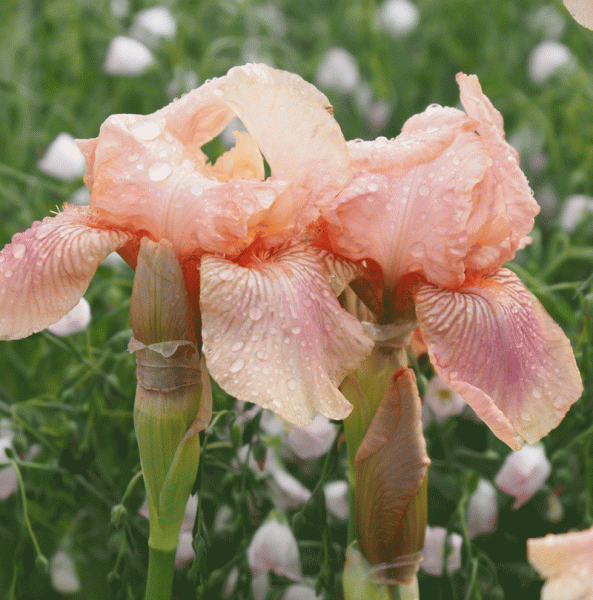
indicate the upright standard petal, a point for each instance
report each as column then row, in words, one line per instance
column 503, row 204
column 46, row 269
column 566, row 561
column 494, row 344
column 274, row 334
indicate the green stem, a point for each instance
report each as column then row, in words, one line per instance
column 161, row 569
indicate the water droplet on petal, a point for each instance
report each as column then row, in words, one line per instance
column 291, row 384
column 196, row 189
column 526, row 417
column 147, row 131
column 262, row 355
column 536, row 393
column 255, row 314
column 237, row 346
column 296, row 330
column 226, row 275
column 373, row 186
column 19, row 250
column 237, row 365
column 8, row 273
column 423, row 191
column 159, row 171
column 559, row 402
column 133, row 157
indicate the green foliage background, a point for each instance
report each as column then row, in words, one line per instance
column 71, row 398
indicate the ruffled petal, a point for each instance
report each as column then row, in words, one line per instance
column 410, row 217
column 503, row 204
column 274, row 334
column 46, row 269
column 494, row 344
column 565, row 560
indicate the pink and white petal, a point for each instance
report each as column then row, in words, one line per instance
column 46, row 269
column 415, row 221
column 274, row 334
column 503, row 204
column 582, row 11
column 494, row 344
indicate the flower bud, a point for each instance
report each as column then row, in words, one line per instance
column 126, row 56
column 63, row 159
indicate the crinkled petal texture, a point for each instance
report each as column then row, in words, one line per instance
column 274, row 334
column 566, row 561
column 149, row 175
column 408, row 202
column 494, row 344
column 503, row 207
column 582, row 11
column 46, row 269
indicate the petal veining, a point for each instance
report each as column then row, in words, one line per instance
column 45, row 270
column 494, row 344
column 274, row 334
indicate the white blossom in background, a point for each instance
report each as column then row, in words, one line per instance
column 8, row 478
column 63, row 159
column 81, row 197
column 185, row 551
column 74, row 321
column 574, row 210
column 299, row 591
column 336, row 499
column 523, row 473
column 152, row 24
column 555, row 511
column 482, row 509
column 397, row 17
column 548, row 21
column 313, row 440
column 272, row 548
column 546, row 59
column 438, row 548
column 127, row 56
column 119, row 8
column 337, row 70
column 272, row 17
column 184, row 80
column 547, row 198
column 442, row 401
column 375, row 112
column 288, row 491
column 230, row 583
column 62, row 572
column 114, row 260
column 529, row 144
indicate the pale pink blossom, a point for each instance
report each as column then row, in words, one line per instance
column 75, row 320
column 566, row 562
column 274, row 548
column 63, row 159
column 337, row 498
column 153, row 23
column 582, row 11
column 8, row 478
column 438, row 548
column 574, row 210
column 62, row 571
column 482, row 509
column 272, row 331
column 432, row 215
column 298, row 591
column 312, row 440
column 523, row 473
column 441, row 400
column 338, row 70
column 127, row 56
column 546, row 59
column 398, row 17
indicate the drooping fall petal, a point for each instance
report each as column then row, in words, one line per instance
column 503, row 204
column 566, row 561
column 274, row 334
column 391, row 466
column 46, row 269
column 494, row 344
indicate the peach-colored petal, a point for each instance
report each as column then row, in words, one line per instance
column 503, row 204
column 274, row 334
column 566, row 561
column 494, row 344
column 410, row 217
column 391, row 465
column 46, row 269
column 582, row 11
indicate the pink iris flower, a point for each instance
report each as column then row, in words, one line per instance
column 433, row 214
column 272, row 330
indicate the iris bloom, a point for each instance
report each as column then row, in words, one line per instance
column 565, row 561
column 271, row 328
column 434, row 213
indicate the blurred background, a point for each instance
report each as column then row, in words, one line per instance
column 66, row 397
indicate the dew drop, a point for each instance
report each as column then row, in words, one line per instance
column 453, row 375
column 262, row 355
column 147, row 131
column 536, row 393
column 159, row 171
column 255, row 313
column 291, row 384
column 526, row 417
column 296, row 330
column 237, row 346
column 559, row 402
column 133, row 157
column 19, row 251
column 237, row 365
column 373, row 186
column 196, row 189
column 423, row 191
column 8, row 273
